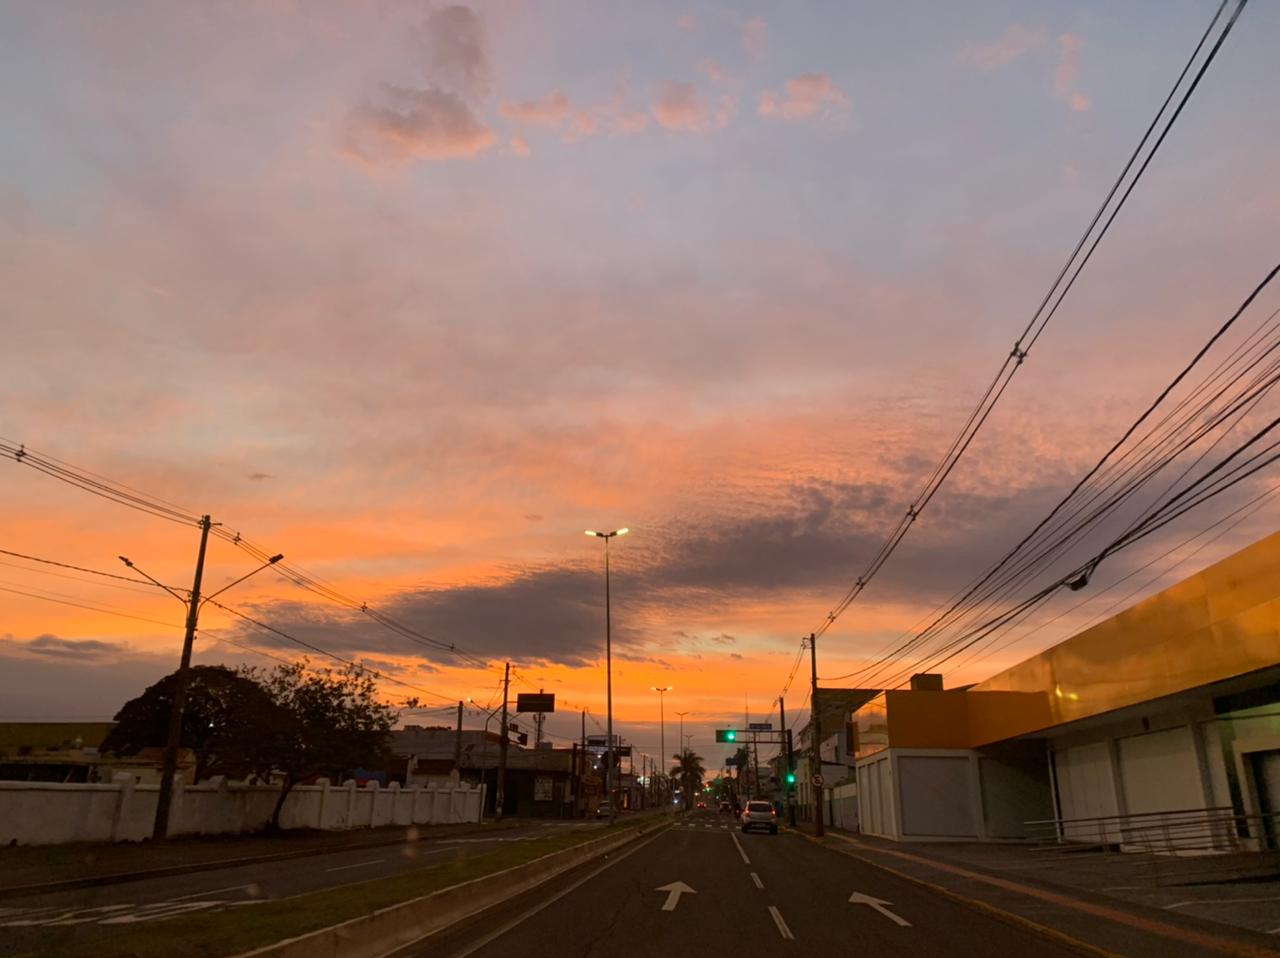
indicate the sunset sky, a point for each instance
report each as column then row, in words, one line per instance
column 416, row 293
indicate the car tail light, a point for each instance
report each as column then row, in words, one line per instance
column 773, row 812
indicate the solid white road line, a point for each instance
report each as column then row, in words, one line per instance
column 783, row 930
column 756, row 878
column 202, row 894
column 525, row 916
column 745, row 859
column 342, row 868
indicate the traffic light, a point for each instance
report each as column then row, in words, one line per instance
column 791, row 778
column 726, row 735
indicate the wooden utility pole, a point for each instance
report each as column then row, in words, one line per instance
column 815, row 729
column 160, row 828
column 502, row 746
column 457, row 745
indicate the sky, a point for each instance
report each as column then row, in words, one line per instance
column 415, row 293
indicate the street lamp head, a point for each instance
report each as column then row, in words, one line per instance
column 622, row 532
column 665, row 688
column 592, row 532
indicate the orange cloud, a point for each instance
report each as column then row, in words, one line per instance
column 681, row 108
column 550, row 110
column 1016, row 42
column 1064, row 77
column 413, row 124
column 755, row 38
column 806, row 96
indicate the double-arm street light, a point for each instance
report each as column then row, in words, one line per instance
column 194, row 604
column 608, row 667
column 662, row 720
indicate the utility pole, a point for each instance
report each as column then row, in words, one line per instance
column 160, row 829
column 457, row 745
column 790, row 762
column 538, row 719
column 502, row 745
column 815, row 730
column 755, row 750
column 582, row 757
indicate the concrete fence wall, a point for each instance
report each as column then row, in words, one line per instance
column 843, row 805
column 47, row 813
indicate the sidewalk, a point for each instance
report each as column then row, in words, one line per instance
column 100, row 863
column 1109, row 903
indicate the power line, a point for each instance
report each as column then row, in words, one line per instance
column 91, row 608
column 1045, row 312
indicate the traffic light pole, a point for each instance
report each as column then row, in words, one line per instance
column 789, row 775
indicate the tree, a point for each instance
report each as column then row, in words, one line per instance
column 689, row 771
column 222, row 720
column 332, row 724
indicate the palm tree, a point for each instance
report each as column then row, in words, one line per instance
column 741, row 759
column 689, row 770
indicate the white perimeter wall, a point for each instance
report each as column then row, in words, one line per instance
column 46, row 813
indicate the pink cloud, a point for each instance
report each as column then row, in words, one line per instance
column 519, row 145
column 1016, row 42
column 715, row 72
column 454, row 46
column 680, row 107
column 1081, row 102
column 409, row 124
column 1064, row 78
column 806, row 96
column 687, row 22
column 630, row 122
column 580, row 126
column 755, row 38
column 549, row 110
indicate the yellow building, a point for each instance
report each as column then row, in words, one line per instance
column 1160, row 725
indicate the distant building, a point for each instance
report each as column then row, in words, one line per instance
column 69, row 752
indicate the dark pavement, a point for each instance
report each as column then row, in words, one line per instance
column 756, row 894
column 29, row 920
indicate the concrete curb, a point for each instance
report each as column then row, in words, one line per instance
column 389, row 929
column 166, row 871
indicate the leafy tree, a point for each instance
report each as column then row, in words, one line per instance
column 689, row 771
column 221, row 721
column 332, row 723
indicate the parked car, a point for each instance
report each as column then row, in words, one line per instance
column 726, row 808
column 702, row 804
column 760, row 815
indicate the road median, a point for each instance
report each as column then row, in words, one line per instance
column 368, row 918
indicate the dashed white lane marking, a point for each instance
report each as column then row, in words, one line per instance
column 745, row 859
column 342, row 868
column 1220, row 901
column 216, row 891
column 783, row 930
column 756, row 878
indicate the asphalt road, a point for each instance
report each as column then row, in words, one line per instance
column 756, row 894
column 32, row 920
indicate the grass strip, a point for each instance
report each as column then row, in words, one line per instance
column 216, row 934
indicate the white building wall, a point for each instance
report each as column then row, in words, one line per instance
column 50, row 813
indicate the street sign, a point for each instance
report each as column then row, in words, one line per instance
column 817, row 780
column 536, row 702
column 760, row 726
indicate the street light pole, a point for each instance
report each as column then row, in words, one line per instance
column 608, row 665
column 662, row 719
column 173, row 741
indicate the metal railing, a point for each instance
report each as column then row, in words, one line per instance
column 1179, row 845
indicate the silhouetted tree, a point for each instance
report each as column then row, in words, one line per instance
column 689, row 771
column 332, row 723
column 222, row 721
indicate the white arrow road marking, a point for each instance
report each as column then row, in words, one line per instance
column 857, row 898
column 674, row 891
column 783, row 930
column 745, row 859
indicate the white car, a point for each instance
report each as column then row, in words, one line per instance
column 760, row 815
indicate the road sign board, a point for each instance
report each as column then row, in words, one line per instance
column 817, row 780
column 760, row 726
column 536, row 702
